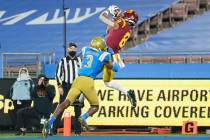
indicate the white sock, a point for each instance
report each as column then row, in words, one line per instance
column 115, row 85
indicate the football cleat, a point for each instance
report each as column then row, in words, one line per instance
column 84, row 124
column 45, row 129
column 132, row 98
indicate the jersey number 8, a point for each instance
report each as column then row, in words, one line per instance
column 124, row 39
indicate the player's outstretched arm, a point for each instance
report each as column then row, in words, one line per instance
column 104, row 17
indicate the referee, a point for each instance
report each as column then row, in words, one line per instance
column 66, row 72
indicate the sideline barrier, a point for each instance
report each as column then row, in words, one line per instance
column 159, row 103
column 149, row 71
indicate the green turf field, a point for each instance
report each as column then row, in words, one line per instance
column 37, row 136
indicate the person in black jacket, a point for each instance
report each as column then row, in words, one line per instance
column 43, row 96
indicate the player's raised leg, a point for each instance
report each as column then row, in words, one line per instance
column 107, row 78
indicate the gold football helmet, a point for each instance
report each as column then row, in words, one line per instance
column 98, row 43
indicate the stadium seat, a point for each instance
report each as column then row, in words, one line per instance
column 178, row 59
column 14, row 71
column 131, row 60
column 206, row 59
column 188, row 39
column 146, row 60
column 166, row 18
column 193, row 6
column 179, row 11
column 134, row 33
column 204, row 4
column 194, row 59
column 144, row 29
column 161, row 60
column 156, row 22
column 208, row 4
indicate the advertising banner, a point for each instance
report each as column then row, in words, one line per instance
column 159, row 102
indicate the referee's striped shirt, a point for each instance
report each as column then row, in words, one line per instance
column 67, row 69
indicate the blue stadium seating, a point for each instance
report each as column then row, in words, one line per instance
column 37, row 25
column 190, row 36
column 34, row 34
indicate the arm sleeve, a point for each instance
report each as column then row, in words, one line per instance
column 104, row 18
column 59, row 72
column 10, row 92
column 80, row 62
column 83, row 51
column 34, row 94
column 51, row 92
column 105, row 57
column 32, row 88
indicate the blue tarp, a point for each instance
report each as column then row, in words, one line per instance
column 37, row 25
column 168, row 71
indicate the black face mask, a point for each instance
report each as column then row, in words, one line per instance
column 72, row 53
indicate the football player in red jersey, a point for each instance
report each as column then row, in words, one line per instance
column 118, row 32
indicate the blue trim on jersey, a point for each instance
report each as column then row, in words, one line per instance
column 92, row 63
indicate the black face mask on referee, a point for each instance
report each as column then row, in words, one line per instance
column 72, row 53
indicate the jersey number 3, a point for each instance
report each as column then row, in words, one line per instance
column 124, row 39
column 89, row 61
